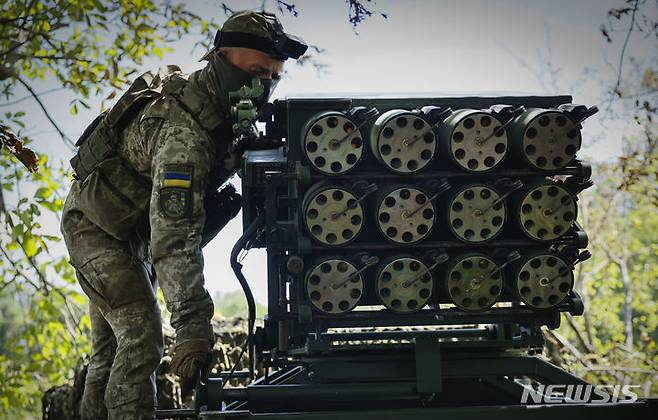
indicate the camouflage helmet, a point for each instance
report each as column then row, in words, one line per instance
column 260, row 31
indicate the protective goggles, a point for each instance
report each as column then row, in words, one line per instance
column 281, row 47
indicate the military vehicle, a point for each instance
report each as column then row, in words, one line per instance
column 416, row 247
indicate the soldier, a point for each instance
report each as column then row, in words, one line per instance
column 145, row 172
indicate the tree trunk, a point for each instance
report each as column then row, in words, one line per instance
column 628, row 302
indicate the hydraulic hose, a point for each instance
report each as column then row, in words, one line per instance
column 237, row 270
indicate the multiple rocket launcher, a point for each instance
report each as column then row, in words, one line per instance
column 420, row 180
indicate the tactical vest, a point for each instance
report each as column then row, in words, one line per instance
column 113, row 195
column 107, row 126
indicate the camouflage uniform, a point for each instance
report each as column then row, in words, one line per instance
column 141, row 214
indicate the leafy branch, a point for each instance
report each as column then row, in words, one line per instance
column 617, row 13
column 15, row 146
column 64, row 137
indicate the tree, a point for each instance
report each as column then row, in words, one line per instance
column 87, row 45
column 51, row 333
column 84, row 46
column 616, row 340
column 635, row 92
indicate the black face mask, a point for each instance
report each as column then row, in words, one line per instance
column 225, row 77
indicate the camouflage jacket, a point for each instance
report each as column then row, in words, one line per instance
column 170, row 155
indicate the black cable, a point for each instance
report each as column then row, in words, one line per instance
column 237, row 362
column 251, row 304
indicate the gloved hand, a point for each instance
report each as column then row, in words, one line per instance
column 190, row 356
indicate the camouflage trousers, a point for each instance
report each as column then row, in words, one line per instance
column 127, row 342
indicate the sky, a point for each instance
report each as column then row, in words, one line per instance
column 442, row 48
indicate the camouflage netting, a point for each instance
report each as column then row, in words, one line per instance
column 63, row 402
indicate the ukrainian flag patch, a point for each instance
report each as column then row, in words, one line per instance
column 179, row 176
column 176, row 191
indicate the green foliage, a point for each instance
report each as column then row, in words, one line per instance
column 44, row 330
column 616, row 341
column 233, row 304
column 88, row 45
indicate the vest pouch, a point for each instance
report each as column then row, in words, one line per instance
column 114, row 197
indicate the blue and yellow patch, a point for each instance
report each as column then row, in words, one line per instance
column 177, row 179
column 176, row 191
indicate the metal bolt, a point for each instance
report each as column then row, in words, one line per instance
column 295, row 264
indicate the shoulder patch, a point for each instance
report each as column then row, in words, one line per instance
column 178, row 176
column 176, row 203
